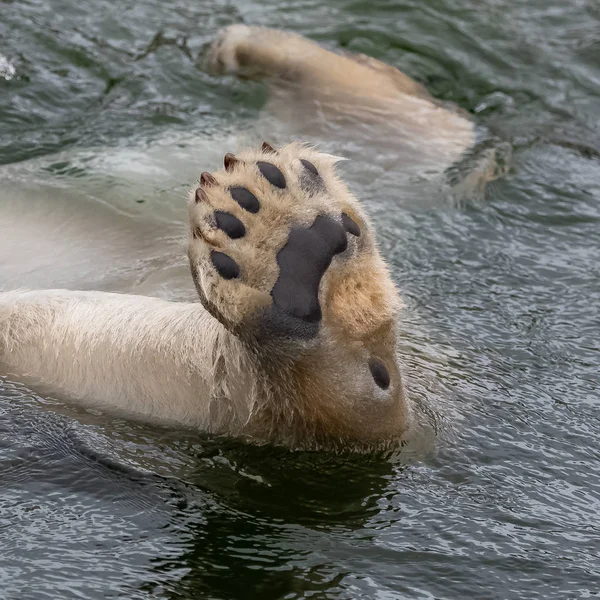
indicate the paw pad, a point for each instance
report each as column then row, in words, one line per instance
column 272, row 174
column 280, row 257
column 310, row 167
column 302, row 264
column 231, row 225
column 226, row 267
column 310, row 179
column 245, row 198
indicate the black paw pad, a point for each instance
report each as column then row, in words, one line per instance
column 349, row 225
column 231, row 225
column 272, row 174
column 226, row 267
column 380, row 373
column 310, row 167
column 302, row 264
column 310, row 180
column 245, row 198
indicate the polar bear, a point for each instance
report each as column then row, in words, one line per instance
column 293, row 341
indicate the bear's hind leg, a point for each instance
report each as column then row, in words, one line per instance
column 258, row 53
column 314, row 87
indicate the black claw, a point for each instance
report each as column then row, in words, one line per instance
column 226, row 267
column 309, row 167
column 349, row 225
column 207, row 179
column 231, row 225
column 200, row 195
column 245, row 198
column 230, row 161
column 272, row 174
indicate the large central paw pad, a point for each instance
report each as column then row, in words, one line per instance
column 302, row 264
column 265, row 232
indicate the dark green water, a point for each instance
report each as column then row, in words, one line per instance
column 500, row 333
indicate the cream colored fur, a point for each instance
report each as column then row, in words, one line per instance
column 136, row 354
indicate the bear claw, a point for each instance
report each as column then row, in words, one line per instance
column 207, row 179
column 229, row 161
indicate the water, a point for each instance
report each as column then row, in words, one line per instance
column 500, row 333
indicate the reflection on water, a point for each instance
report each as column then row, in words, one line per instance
column 499, row 337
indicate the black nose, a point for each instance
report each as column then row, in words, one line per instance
column 380, row 373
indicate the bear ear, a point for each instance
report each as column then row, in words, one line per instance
column 267, row 148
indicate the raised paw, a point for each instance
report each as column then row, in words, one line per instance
column 250, row 52
column 279, row 247
column 222, row 56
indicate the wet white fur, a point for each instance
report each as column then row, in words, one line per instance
column 135, row 354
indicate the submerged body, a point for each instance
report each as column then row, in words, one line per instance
column 294, row 339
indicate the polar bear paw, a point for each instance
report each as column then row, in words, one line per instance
column 252, row 52
column 278, row 245
column 222, row 58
